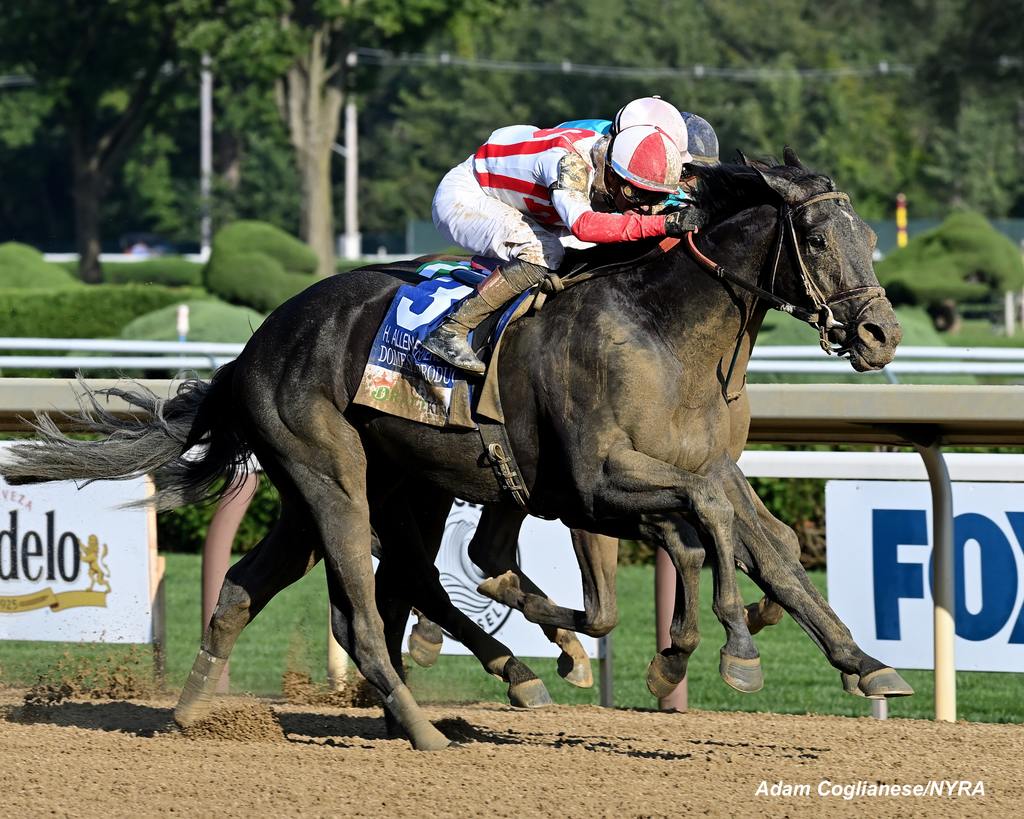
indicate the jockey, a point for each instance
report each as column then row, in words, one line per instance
column 529, row 193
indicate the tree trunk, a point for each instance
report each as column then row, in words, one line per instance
column 87, row 192
column 311, row 102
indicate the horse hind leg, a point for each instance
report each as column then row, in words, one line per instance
column 281, row 558
column 324, row 457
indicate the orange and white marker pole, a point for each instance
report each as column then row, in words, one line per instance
column 901, row 220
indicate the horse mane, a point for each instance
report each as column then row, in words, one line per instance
column 728, row 188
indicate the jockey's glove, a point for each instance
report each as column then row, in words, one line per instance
column 684, row 221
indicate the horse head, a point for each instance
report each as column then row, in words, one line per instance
column 820, row 264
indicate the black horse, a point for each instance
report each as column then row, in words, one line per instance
column 619, row 402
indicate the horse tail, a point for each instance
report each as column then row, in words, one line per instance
column 156, row 443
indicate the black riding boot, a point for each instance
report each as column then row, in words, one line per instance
column 449, row 340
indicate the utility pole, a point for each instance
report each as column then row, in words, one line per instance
column 351, row 244
column 205, row 155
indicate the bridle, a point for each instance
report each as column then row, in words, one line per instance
column 820, row 316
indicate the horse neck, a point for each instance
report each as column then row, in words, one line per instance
column 700, row 314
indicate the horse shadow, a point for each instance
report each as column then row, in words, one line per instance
column 313, row 728
column 115, row 716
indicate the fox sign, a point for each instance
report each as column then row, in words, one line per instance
column 880, row 571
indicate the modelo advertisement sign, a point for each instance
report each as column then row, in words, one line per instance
column 880, row 571
column 546, row 557
column 74, row 565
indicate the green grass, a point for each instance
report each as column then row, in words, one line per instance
column 292, row 631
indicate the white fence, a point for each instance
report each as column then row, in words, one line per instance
column 171, row 356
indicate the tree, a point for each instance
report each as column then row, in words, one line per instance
column 105, row 68
column 311, row 92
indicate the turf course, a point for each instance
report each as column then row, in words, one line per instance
column 291, row 633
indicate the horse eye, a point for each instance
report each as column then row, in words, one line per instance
column 817, row 241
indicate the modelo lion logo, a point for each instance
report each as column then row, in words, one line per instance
column 460, row 576
column 41, row 557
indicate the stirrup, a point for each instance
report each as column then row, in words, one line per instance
column 452, row 346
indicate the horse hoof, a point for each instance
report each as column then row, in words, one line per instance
column 423, row 652
column 884, row 683
column 425, row 737
column 850, row 683
column 575, row 670
column 661, row 678
column 529, row 694
column 503, row 589
column 756, row 619
column 742, row 674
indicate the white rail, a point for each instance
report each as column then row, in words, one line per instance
column 198, row 355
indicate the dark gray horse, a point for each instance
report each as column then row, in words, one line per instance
column 617, row 397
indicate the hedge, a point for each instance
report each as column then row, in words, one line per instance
column 211, row 320
column 22, row 266
column 963, row 259
column 97, row 311
column 184, row 529
column 172, row 271
column 258, row 265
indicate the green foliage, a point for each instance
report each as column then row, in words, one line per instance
column 99, row 311
column 184, row 529
column 22, row 266
column 962, row 259
column 209, row 320
column 258, row 265
column 169, row 270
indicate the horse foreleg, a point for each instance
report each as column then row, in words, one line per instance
column 425, row 640
column 411, row 532
column 281, row 558
column 775, row 567
column 668, row 667
column 493, row 549
column 597, row 556
column 659, row 491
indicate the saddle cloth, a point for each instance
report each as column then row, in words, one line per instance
column 403, row 379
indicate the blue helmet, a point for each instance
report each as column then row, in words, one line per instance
column 702, row 139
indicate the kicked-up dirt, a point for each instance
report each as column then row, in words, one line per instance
column 256, row 757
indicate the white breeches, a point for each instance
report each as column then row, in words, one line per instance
column 466, row 216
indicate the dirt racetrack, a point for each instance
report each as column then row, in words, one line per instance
column 121, row 758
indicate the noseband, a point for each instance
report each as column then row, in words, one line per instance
column 820, row 316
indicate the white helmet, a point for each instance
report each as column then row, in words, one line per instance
column 654, row 111
column 647, row 158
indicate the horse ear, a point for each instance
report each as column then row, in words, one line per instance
column 742, row 158
column 790, row 158
column 789, row 191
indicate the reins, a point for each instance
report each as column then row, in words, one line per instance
column 821, row 316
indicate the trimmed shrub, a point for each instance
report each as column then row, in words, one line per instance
column 22, row 266
column 211, row 320
column 97, row 311
column 172, row 271
column 963, row 259
column 258, row 265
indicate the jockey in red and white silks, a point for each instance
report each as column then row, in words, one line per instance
column 528, row 193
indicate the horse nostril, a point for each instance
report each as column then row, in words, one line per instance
column 871, row 334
